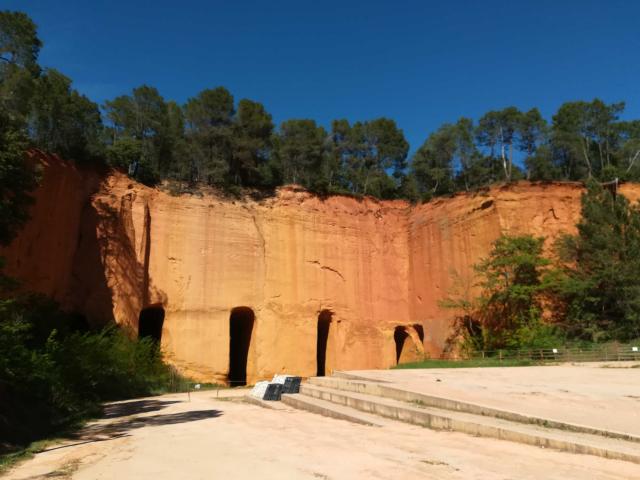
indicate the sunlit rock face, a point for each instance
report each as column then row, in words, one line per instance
column 242, row 289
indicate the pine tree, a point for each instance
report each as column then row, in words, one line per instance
column 601, row 284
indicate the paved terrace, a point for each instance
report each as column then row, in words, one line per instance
column 601, row 395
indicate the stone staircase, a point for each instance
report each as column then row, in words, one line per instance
column 374, row 403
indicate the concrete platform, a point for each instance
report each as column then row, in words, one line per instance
column 346, row 394
column 603, row 396
column 335, row 400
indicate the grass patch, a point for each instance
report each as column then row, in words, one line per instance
column 488, row 362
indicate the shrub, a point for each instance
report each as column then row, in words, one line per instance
column 54, row 371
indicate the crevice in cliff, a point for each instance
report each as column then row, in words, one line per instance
column 263, row 256
column 147, row 254
column 324, row 267
column 483, row 206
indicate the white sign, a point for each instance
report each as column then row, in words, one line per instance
column 555, row 350
column 634, row 349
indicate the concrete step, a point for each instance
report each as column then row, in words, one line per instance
column 329, row 409
column 478, row 425
column 350, row 383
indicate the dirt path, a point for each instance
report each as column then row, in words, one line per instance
column 170, row 438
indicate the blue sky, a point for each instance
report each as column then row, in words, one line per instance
column 421, row 63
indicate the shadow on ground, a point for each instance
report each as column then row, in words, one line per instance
column 108, row 429
column 124, row 426
column 134, row 407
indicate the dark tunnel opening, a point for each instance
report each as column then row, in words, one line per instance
column 324, row 324
column 399, row 335
column 150, row 323
column 240, row 330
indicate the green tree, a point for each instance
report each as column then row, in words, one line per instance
column 375, row 148
column 628, row 152
column 209, row 130
column 508, row 311
column 540, row 165
column 19, row 42
column 63, row 121
column 251, row 141
column 448, row 158
column 19, row 48
column 142, row 121
column 174, row 145
column 600, row 283
column 433, row 163
column 584, row 137
column 532, row 134
column 301, row 151
column 340, row 149
column 16, row 179
column 498, row 130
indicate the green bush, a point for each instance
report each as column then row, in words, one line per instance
column 54, row 371
column 514, row 283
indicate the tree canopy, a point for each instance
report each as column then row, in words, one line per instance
column 599, row 281
column 215, row 139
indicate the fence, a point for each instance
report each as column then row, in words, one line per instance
column 594, row 353
column 178, row 383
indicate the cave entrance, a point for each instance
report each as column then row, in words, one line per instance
column 420, row 331
column 150, row 323
column 324, row 324
column 240, row 329
column 400, row 335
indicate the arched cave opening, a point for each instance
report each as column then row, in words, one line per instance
column 240, row 329
column 324, row 324
column 150, row 323
column 400, row 335
column 420, row 331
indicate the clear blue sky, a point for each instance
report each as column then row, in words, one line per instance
column 421, row 63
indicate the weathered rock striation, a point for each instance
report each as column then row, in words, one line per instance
column 292, row 283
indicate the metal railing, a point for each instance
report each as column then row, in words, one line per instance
column 594, row 353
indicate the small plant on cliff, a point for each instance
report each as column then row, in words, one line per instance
column 509, row 309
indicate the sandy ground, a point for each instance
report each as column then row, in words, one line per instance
column 170, row 438
column 602, row 395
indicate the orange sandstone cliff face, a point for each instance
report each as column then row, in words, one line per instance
column 287, row 259
column 293, row 283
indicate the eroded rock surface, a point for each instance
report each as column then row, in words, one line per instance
column 110, row 248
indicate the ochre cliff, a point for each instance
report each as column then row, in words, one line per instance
column 372, row 272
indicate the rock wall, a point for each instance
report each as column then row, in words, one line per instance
column 287, row 258
column 42, row 255
column 376, row 271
